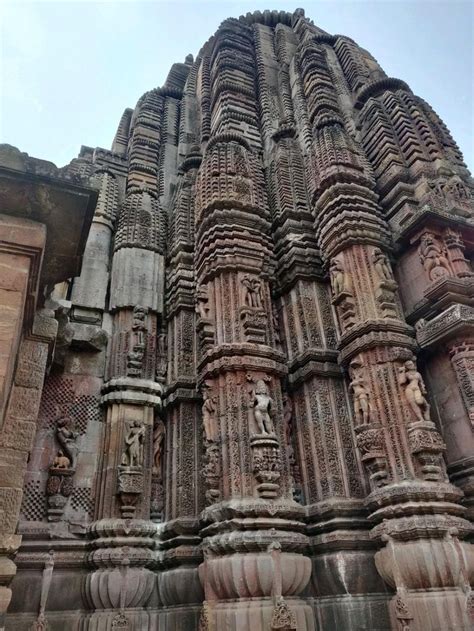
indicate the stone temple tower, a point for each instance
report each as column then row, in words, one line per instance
column 258, row 413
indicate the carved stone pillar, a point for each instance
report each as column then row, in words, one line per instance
column 122, row 537
column 249, row 491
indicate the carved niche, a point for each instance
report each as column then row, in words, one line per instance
column 60, row 484
column 205, row 323
column 342, row 295
column 212, row 453
column 414, row 389
column 295, row 473
column 434, row 258
column 450, row 194
column 370, row 435
column 266, row 456
column 386, row 285
column 161, row 357
column 252, row 311
column 137, row 344
column 461, row 353
column 130, row 474
column 426, row 444
column 157, row 490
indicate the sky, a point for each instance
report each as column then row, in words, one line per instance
column 69, row 68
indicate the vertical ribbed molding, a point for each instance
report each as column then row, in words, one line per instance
column 180, row 591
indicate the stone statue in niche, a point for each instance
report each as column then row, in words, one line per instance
column 202, row 302
column 159, row 432
column 287, row 418
column 212, row 473
column 139, row 323
column 67, row 438
column 261, row 404
column 137, row 342
column 252, row 292
column 61, row 472
column 385, row 291
column 209, row 410
column 134, row 438
column 339, row 278
column 276, row 328
column 381, row 265
column 362, row 406
column 161, row 357
column 341, row 286
column 433, row 257
column 415, row 390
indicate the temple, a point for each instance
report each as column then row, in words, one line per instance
column 237, row 355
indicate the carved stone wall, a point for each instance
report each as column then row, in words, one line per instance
column 259, row 414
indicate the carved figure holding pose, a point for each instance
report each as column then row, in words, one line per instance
column 339, row 279
column 381, row 265
column 361, row 400
column 133, row 453
column 433, row 258
column 209, row 415
column 67, row 439
column 261, row 404
column 414, row 390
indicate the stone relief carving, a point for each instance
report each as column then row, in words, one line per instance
column 283, row 618
column 343, row 299
column 205, row 324
column 212, row 455
column 202, row 302
column 433, row 257
column 212, row 473
column 415, row 390
column 294, row 468
column 67, row 438
column 385, row 292
column 159, row 431
column 60, row 485
column 461, row 353
column 455, row 248
column 340, row 281
column 381, row 265
column 132, row 455
column 137, row 344
column 361, row 396
column 403, row 614
column 161, row 356
column 261, row 404
column 209, row 411
column 252, row 292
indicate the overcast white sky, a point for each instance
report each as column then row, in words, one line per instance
column 69, row 68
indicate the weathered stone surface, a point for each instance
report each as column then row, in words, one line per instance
column 260, row 413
